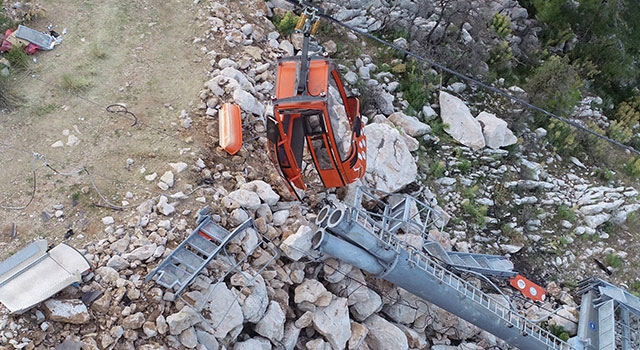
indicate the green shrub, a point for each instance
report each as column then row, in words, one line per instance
column 635, row 288
column 555, row 86
column 632, row 167
column 478, row 213
column 464, row 166
column 559, row 332
column 415, row 87
column 563, row 138
column 5, row 22
column 18, row 58
column 507, row 230
column 613, row 260
column 605, row 34
column 438, row 168
column 627, row 116
column 620, row 132
column 439, row 128
column 286, row 24
column 633, row 219
column 566, row 213
column 9, row 98
column 74, row 83
column 501, row 55
column 501, row 25
column 604, row 174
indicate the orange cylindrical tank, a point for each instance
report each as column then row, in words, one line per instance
column 230, row 128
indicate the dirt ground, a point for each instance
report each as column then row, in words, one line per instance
column 138, row 53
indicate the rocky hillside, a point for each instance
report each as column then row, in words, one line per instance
column 501, row 194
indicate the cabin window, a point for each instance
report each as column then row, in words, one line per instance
column 314, row 125
column 322, row 154
column 339, row 120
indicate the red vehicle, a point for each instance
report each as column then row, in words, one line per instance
column 311, row 106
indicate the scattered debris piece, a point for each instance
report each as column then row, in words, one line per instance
column 230, row 128
column 33, row 274
column 14, row 231
column 602, row 266
column 31, row 39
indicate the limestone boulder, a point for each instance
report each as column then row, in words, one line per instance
column 496, row 131
column 384, row 334
column 67, row 311
column 271, row 326
column 411, row 125
column 333, row 322
column 390, row 165
column 297, row 245
column 462, row 126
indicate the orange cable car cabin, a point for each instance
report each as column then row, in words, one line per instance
column 319, row 113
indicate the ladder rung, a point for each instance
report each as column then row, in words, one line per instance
column 167, row 279
column 171, row 275
column 484, row 262
column 217, row 233
column 455, row 259
column 202, row 244
column 188, row 258
column 470, row 261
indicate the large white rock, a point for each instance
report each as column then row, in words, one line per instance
column 188, row 338
column 164, row 206
column 168, row 178
column 134, row 321
column 495, row 130
column 358, row 335
column 463, row 127
column 390, row 165
column 310, row 291
column 620, row 216
column 384, row 101
column 448, row 324
column 257, row 343
column 410, row 124
column 297, row 245
column 141, row 253
column 67, row 311
column 272, row 324
column 183, row 319
column 248, row 102
column 567, row 317
column 384, row 334
column 333, row 322
column 366, row 307
column 225, row 312
column 242, row 198
column 263, row 190
column 207, row 339
column 238, row 76
column 255, row 304
column 179, row 166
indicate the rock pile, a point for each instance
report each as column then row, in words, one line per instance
column 271, row 291
column 247, row 299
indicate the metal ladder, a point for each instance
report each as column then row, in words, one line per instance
column 182, row 266
column 407, row 213
column 485, row 264
column 470, row 292
column 395, row 216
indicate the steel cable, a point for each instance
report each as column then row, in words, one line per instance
column 466, row 78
